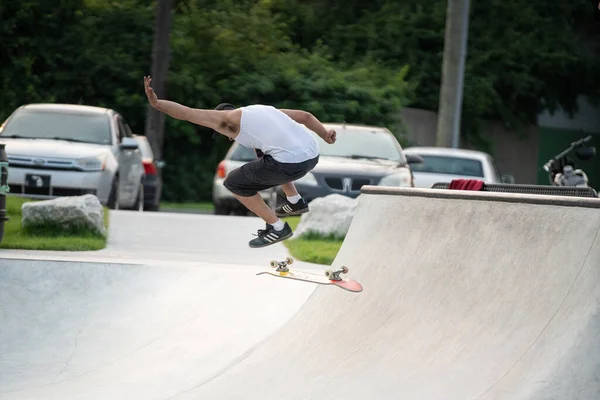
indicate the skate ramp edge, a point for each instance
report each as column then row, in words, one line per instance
column 467, row 295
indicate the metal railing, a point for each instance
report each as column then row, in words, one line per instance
column 531, row 189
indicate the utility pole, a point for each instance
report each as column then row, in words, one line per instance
column 453, row 67
column 155, row 120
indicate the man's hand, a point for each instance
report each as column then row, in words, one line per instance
column 330, row 136
column 152, row 99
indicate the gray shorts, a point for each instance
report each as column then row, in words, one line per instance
column 264, row 173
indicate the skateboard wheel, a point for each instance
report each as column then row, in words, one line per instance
column 274, row 263
column 328, row 272
column 289, row 260
column 345, row 270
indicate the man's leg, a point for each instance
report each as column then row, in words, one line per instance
column 289, row 189
column 276, row 230
column 257, row 205
column 245, row 182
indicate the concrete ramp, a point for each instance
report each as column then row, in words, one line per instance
column 98, row 330
column 468, row 295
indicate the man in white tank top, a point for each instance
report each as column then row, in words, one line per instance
column 286, row 152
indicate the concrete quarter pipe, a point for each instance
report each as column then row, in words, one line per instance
column 468, row 295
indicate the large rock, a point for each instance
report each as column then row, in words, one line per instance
column 329, row 215
column 68, row 212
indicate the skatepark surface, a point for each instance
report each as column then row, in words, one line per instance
column 467, row 295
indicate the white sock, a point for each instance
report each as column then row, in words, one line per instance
column 279, row 225
column 294, row 199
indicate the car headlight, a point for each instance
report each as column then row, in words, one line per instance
column 396, row 179
column 95, row 163
column 308, row 180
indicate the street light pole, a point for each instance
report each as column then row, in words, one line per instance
column 451, row 92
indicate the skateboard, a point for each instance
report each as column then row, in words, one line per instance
column 330, row 277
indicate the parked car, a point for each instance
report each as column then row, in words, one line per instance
column 152, row 179
column 223, row 200
column 59, row 150
column 441, row 164
column 361, row 155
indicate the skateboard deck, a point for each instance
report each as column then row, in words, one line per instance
column 282, row 271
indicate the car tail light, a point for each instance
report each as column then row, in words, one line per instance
column 149, row 168
column 221, row 169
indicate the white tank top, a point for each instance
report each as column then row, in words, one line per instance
column 274, row 133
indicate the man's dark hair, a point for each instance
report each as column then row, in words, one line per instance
column 222, row 106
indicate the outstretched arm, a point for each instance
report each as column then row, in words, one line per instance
column 209, row 118
column 311, row 122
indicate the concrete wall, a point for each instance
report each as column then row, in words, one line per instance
column 514, row 154
column 419, row 126
column 587, row 118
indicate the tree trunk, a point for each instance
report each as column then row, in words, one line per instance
column 155, row 120
column 455, row 44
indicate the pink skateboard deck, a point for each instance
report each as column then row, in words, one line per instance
column 321, row 279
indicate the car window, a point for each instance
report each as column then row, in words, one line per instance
column 359, row 143
column 128, row 132
column 121, row 128
column 241, row 153
column 73, row 126
column 448, row 165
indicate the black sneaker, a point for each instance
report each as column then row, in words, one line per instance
column 269, row 236
column 287, row 208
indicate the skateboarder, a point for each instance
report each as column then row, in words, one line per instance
column 286, row 152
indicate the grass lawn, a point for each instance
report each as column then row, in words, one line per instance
column 47, row 238
column 187, row 206
column 312, row 248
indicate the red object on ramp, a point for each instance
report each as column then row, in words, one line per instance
column 466, row 184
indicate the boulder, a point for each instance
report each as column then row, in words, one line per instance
column 328, row 216
column 68, row 212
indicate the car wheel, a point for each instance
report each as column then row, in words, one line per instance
column 240, row 211
column 151, row 207
column 113, row 197
column 221, row 210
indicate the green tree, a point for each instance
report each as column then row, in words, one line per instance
column 75, row 51
column 241, row 53
column 523, row 56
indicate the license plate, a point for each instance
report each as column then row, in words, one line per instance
column 37, row 181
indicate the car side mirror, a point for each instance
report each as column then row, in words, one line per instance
column 414, row 159
column 508, row 179
column 128, row 144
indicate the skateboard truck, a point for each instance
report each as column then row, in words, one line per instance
column 335, row 275
column 282, row 265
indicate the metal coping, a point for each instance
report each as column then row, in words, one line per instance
column 484, row 196
column 531, row 189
